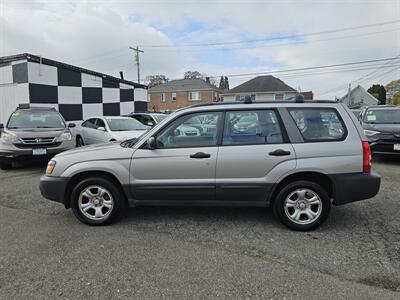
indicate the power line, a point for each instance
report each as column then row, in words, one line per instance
column 282, row 37
column 305, row 68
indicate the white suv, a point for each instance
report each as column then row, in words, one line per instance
column 298, row 158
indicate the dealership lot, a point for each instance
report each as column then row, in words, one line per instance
column 180, row 253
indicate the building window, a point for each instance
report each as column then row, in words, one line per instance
column 162, row 97
column 241, row 98
column 279, row 96
column 173, row 96
column 194, row 96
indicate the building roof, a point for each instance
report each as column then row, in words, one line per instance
column 184, row 85
column 262, row 84
column 358, row 98
column 50, row 62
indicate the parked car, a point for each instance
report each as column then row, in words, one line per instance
column 33, row 131
column 152, row 119
column 108, row 129
column 381, row 125
column 148, row 119
column 294, row 164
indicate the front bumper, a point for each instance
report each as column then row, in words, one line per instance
column 384, row 147
column 53, row 188
column 11, row 152
column 353, row 187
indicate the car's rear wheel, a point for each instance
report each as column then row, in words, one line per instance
column 302, row 205
column 79, row 141
column 6, row 165
column 97, row 201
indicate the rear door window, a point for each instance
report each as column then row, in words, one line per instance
column 252, row 128
column 319, row 124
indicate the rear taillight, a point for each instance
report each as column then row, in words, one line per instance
column 366, row 157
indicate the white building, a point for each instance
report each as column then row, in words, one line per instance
column 358, row 97
column 75, row 92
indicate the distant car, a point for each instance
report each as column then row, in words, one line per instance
column 148, row 119
column 33, row 131
column 152, row 119
column 108, row 129
column 381, row 126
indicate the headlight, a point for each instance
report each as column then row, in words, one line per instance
column 9, row 138
column 370, row 133
column 66, row 136
column 50, row 167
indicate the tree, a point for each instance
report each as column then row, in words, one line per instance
column 226, row 83
column 379, row 92
column 396, row 99
column 194, row 75
column 222, row 83
column 154, row 80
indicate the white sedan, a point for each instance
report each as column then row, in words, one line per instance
column 108, row 129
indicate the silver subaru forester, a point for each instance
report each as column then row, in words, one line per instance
column 296, row 157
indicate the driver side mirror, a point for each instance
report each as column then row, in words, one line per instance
column 152, row 143
column 1, row 126
column 71, row 125
column 101, row 128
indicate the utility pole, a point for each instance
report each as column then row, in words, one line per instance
column 137, row 51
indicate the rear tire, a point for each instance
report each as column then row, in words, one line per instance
column 5, row 165
column 79, row 141
column 97, row 201
column 302, row 205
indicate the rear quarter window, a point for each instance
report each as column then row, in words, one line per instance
column 319, row 124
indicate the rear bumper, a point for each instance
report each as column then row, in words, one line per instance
column 354, row 187
column 53, row 188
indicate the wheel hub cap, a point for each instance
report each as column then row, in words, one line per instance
column 95, row 202
column 303, row 206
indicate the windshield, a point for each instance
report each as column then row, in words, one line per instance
column 125, row 124
column 389, row 116
column 29, row 119
column 159, row 118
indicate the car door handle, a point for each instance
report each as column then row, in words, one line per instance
column 199, row 155
column 279, row 152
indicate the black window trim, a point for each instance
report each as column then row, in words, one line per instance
column 344, row 137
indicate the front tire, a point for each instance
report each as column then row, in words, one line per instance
column 5, row 165
column 79, row 141
column 97, row 201
column 302, row 205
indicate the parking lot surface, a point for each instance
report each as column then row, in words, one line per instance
column 197, row 253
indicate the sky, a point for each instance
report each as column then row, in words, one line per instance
column 215, row 37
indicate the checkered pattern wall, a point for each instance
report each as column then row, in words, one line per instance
column 75, row 94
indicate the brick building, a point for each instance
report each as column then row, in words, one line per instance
column 176, row 94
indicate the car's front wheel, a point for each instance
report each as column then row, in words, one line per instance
column 97, row 201
column 6, row 165
column 302, row 205
column 79, row 141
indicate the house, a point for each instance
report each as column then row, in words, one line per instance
column 261, row 88
column 358, row 97
column 77, row 93
column 181, row 93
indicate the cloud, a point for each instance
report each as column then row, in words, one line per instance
column 97, row 34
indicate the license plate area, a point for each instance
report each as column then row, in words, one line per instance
column 396, row 147
column 39, row 151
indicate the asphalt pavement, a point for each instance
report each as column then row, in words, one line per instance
column 197, row 253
